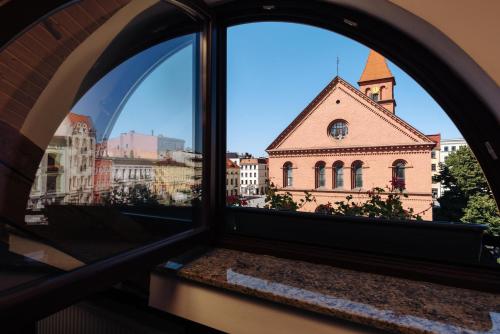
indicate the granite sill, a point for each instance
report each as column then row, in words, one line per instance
column 388, row 303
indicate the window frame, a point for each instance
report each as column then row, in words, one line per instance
column 23, row 305
column 335, row 180
column 356, row 183
column 34, row 300
column 320, row 175
column 344, row 129
column 230, row 15
column 399, row 166
column 287, row 174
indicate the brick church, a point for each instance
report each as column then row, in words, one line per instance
column 349, row 140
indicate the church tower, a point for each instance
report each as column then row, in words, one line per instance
column 378, row 82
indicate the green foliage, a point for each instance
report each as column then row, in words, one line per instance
column 461, row 174
column 482, row 209
column 196, row 193
column 235, row 200
column 380, row 204
column 467, row 197
column 138, row 195
column 284, row 201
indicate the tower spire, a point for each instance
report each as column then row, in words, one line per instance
column 376, row 68
column 377, row 81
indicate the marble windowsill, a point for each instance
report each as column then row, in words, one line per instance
column 389, row 303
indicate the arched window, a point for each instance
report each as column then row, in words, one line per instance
column 338, row 175
column 338, row 129
column 357, row 174
column 398, row 174
column 287, row 175
column 320, row 174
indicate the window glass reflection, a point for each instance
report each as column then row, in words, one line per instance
column 124, row 166
column 359, row 144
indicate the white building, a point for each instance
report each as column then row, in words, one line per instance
column 435, row 155
column 234, row 157
column 128, row 172
column 448, row 146
column 254, row 174
column 66, row 171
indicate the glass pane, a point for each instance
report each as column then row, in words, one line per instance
column 283, row 84
column 321, row 176
column 339, row 176
column 359, row 177
column 122, row 166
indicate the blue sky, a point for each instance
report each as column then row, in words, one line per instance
column 274, row 71
column 163, row 101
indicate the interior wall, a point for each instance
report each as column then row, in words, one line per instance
column 473, row 25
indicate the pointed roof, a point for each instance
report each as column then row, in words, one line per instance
column 78, row 118
column 402, row 124
column 435, row 138
column 231, row 164
column 376, row 68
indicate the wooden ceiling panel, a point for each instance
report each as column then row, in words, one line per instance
column 26, row 72
column 92, row 6
column 83, row 18
column 34, row 61
column 42, row 36
column 43, row 55
column 69, row 28
column 17, row 79
column 12, row 112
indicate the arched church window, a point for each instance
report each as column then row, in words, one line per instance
column 338, row 175
column 338, row 129
column 287, row 174
column 357, row 174
column 320, row 174
column 398, row 174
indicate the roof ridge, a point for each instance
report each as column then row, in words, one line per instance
column 386, row 111
column 279, row 139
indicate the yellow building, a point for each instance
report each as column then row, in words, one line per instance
column 173, row 181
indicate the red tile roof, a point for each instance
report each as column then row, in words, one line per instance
column 77, row 118
column 435, row 138
column 230, row 164
column 376, row 68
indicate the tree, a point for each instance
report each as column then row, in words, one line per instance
column 461, row 174
column 482, row 209
column 467, row 196
column 235, row 200
column 277, row 200
column 380, row 204
column 139, row 194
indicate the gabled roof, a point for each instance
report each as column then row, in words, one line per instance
column 77, row 118
column 376, row 68
column 435, row 138
column 230, row 164
column 319, row 98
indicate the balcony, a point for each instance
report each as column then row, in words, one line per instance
column 55, row 169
